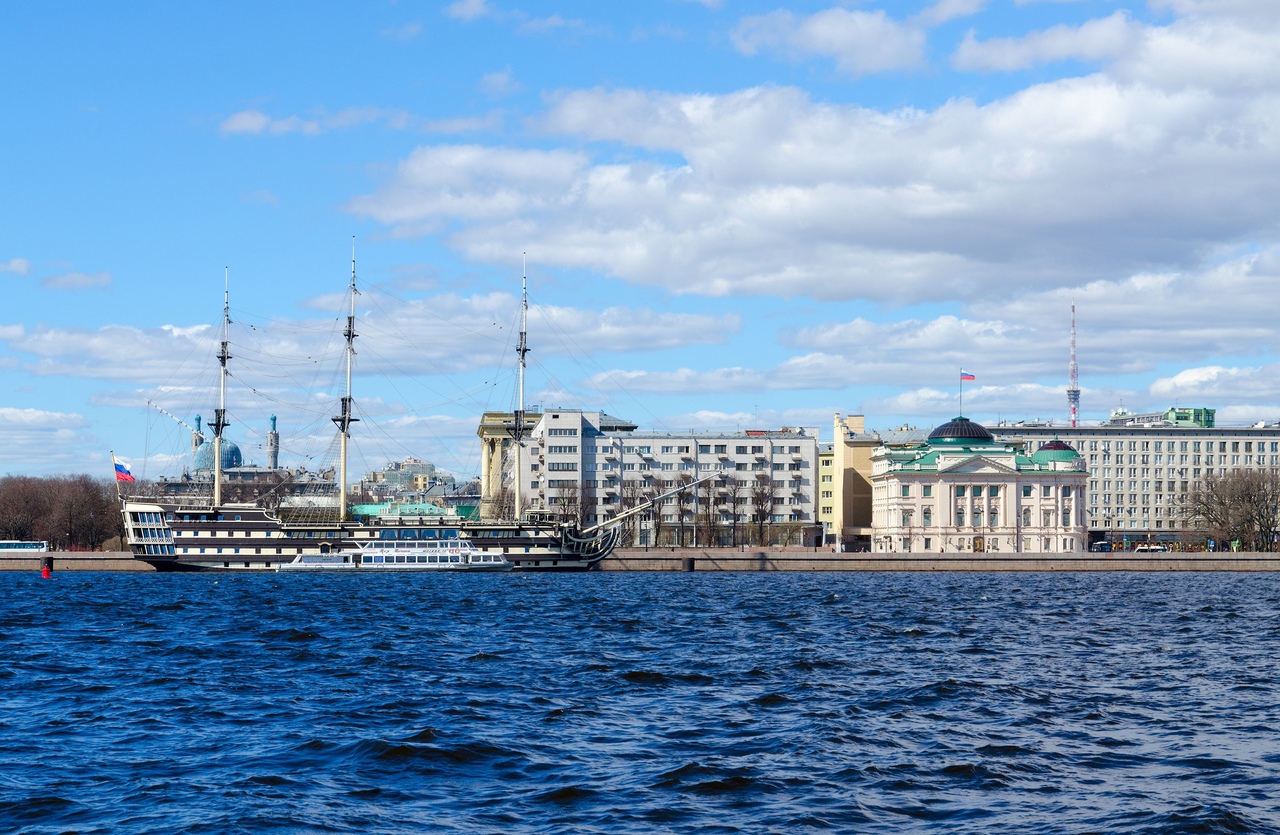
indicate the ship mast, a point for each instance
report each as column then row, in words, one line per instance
column 219, row 421
column 344, row 419
column 522, row 348
column 1073, row 373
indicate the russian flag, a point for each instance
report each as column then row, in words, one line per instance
column 122, row 473
column 965, row 375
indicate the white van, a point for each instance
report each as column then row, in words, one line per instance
column 1153, row 547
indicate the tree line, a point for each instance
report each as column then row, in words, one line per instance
column 71, row 513
column 1241, row 507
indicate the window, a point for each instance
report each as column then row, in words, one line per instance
column 562, row 450
column 566, row 466
column 563, row 433
column 959, row 491
column 704, row 448
column 826, row 479
column 959, row 517
column 1046, row 491
column 722, row 448
column 667, row 449
column 926, row 518
column 1066, row 492
column 993, row 491
column 977, row 491
column 740, row 450
column 928, row 490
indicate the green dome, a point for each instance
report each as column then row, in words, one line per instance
column 1055, row 451
column 230, row 455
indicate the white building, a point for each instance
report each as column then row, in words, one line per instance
column 594, row 465
column 1143, row 468
column 964, row 491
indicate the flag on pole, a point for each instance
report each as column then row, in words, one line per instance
column 965, row 375
column 122, row 473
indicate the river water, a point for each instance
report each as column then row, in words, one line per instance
column 606, row 702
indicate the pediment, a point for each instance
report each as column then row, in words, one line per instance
column 976, row 465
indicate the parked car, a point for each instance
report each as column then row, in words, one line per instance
column 1150, row 547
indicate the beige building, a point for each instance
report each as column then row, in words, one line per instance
column 963, row 491
column 844, row 485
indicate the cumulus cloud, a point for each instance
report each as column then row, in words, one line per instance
column 860, row 42
column 1095, row 40
column 468, row 10
column 53, row 441
column 945, row 10
column 500, row 83
column 15, row 265
column 773, row 193
column 78, row 281
column 255, row 122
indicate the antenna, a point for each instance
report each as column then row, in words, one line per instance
column 1073, row 373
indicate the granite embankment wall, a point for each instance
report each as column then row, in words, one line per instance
column 75, row 561
column 706, row 559
column 694, row 559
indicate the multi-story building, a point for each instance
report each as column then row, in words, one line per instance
column 964, row 491
column 1143, row 469
column 848, row 481
column 751, row 484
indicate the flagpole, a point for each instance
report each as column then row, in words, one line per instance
column 115, row 477
column 962, row 392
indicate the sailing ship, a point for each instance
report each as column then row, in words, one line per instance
column 193, row 533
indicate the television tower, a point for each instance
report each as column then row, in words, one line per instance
column 1073, row 386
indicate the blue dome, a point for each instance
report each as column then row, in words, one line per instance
column 230, row 455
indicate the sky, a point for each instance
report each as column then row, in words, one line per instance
column 733, row 214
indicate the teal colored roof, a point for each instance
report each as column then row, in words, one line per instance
column 1055, row 451
column 230, row 455
column 960, row 430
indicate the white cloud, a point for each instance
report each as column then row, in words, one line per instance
column 945, row 10
column 407, row 32
column 1094, row 40
column 860, row 42
column 15, row 265
column 468, row 10
column 58, row 441
column 500, row 83
column 77, row 281
column 255, row 122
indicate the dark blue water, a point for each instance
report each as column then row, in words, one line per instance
column 640, row 703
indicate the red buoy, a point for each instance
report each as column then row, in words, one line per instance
column 45, row 572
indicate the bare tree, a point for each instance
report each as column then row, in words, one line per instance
column 1242, row 506
column 764, row 497
column 569, row 499
column 631, row 496
column 737, row 500
column 684, row 503
column 708, row 517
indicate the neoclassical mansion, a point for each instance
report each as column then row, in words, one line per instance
column 964, row 491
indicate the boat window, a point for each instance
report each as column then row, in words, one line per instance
column 455, row 558
column 366, row 559
column 409, row 534
column 430, row 534
column 386, row 534
column 450, row 534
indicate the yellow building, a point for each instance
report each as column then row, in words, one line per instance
column 844, row 484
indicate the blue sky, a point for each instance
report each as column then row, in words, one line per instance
column 737, row 214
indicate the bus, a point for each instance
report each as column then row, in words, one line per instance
column 17, row 546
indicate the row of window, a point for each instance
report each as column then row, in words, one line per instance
column 992, row 490
column 1168, row 446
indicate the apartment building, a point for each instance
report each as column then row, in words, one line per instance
column 1143, row 468
column 595, row 465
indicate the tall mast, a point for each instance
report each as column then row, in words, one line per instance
column 219, row 421
column 1073, row 373
column 522, row 348
column 344, row 419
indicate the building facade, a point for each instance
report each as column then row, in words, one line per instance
column 964, row 491
column 751, row 485
column 1143, row 469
